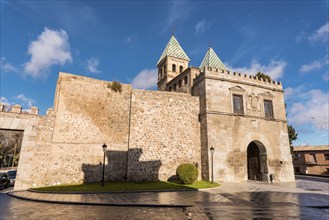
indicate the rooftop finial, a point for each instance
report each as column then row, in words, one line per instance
column 172, row 31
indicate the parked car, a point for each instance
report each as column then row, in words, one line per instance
column 12, row 177
column 4, row 180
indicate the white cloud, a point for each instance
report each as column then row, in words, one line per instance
column 274, row 68
column 321, row 34
column 25, row 102
column 178, row 14
column 51, row 48
column 146, row 79
column 201, row 26
column 92, row 65
column 313, row 108
column 7, row 67
column 291, row 92
column 314, row 65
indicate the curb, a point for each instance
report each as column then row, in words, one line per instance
column 113, row 192
column 12, row 194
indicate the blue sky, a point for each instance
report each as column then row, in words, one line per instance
column 123, row 40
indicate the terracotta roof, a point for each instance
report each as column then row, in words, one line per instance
column 212, row 60
column 173, row 49
column 311, row 148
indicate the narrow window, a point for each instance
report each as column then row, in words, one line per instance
column 185, row 80
column 180, row 69
column 174, row 68
column 238, row 104
column 170, row 88
column 326, row 156
column 179, row 83
column 312, row 159
column 175, row 87
column 268, row 108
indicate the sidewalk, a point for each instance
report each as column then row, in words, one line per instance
column 299, row 193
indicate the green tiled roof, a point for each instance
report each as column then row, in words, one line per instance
column 211, row 60
column 173, row 49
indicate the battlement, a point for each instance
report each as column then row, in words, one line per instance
column 220, row 74
column 18, row 109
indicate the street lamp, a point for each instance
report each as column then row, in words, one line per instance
column 104, row 146
column 212, row 149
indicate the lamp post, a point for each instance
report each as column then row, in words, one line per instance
column 212, row 149
column 104, row 146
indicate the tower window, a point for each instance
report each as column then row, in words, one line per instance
column 238, row 104
column 174, row 68
column 268, row 109
column 180, row 69
column 185, row 80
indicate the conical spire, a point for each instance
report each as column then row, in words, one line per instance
column 173, row 49
column 211, row 60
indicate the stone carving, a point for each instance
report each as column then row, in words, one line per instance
column 253, row 104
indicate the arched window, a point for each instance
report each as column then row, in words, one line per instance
column 175, row 87
column 174, row 67
column 179, row 83
column 185, row 80
column 180, row 69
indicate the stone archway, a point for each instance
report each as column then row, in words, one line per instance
column 256, row 161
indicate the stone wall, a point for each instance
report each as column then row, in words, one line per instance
column 36, row 145
column 158, row 130
column 164, row 133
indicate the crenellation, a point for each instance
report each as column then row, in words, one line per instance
column 16, row 108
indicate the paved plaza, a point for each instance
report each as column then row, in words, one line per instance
column 307, row 198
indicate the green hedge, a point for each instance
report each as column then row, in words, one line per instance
column 187, row 173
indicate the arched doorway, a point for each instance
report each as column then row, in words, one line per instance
column 256, row 161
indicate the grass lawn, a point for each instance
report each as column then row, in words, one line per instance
column 127, row 186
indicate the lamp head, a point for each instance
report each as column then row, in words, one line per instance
column 104, row 146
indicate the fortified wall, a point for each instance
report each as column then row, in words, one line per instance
column 148, row 134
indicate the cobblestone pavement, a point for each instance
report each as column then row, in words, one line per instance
column 303, row 199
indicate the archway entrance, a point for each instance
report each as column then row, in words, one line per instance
column 256, row 161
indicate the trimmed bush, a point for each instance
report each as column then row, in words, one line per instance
column 187, row 173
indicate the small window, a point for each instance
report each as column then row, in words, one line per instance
column 170, row 88
column 312, row 158
column 179, row 83
column 185, row 80
column 268, row 108
column 180, row 69
column 238, row 104
column 326, row 156
column 174, row 68
column 175, row 87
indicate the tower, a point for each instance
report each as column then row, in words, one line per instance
column 212, row 60
column 172, row 62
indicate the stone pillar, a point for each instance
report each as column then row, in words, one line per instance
column 34, row 110
column 16, row 109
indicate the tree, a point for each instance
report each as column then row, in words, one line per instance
column 264, row 76
column 292, row 137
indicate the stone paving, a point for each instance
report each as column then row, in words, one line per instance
column 303, row 199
